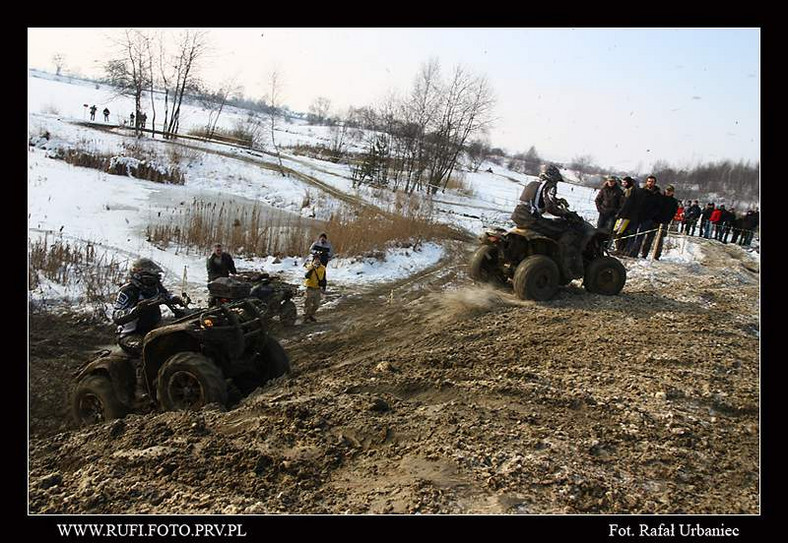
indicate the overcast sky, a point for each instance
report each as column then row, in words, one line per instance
column 624, row 96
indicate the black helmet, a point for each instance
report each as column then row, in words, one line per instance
column 551, row 173
column 145, row 273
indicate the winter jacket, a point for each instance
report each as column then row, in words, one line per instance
column 715, row 216
column 133, row 318
column 219, row 266
column 692, row 213
column 651, row 207
column 315, row 276
column 325, row 250
column 632, row 205
column 609, row 199
column 668, row 208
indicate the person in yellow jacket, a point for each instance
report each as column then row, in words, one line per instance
column 315, row 284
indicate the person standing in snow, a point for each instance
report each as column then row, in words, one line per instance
column 627, row 219
column 648, row 218
column 608, row 202
column 93, row 112
column 315, row 283
column 219, row 264
column 106, row 114
column 668, row 206
column 323, row 247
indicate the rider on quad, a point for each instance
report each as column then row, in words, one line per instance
column 136, row 310
column 540, row 197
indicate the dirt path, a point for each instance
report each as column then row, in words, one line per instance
column 434, row 395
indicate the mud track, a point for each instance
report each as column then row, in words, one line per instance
column 438, row 396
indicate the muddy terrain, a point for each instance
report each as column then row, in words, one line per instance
column 438, row 396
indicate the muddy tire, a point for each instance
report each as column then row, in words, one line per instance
column 605, row 275
column 190, row 380
column 484, row 265
column 94, row 401
column 536, row 278
column 274, row 359
column 288, row 313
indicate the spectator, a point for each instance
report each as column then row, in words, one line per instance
column 143, row 119
column 627, row 218
column 726, row 223
column 705, row 220
column 315, row 284
column 678, row 219
column 736, row 229
column 106, row 114
column 131, row 119
column 714, row 219
column 608, row 202
column 668, row 210
column 691, row 215
column 219, row 264
column 749, row 225
column 93, row 112
column 323, row 247
column 648, row 218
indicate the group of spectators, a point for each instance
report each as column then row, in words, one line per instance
column 641, row 216
column 716, row 222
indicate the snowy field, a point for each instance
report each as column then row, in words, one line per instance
column 111, row 212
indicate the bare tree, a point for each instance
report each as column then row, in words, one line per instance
column 319, row 110
column 191, row 48
column 128, row 72
column 582, row 166
column 59, row 60
column 215, row 101
column 274, row 104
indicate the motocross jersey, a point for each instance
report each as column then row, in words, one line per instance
column 132, row 318
column 540, row 197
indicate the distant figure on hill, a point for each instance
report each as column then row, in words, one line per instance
column 131, row 119
column 106, row 114
column 93, row 112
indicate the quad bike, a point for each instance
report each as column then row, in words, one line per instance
column 218, row 354
column 275, row 293
column 531, row 261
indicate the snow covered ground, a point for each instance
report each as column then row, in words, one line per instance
column 111, row 212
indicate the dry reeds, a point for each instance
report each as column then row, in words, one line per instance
column 74, row 264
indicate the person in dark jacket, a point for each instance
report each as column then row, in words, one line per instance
column 648, row 218
column 727, row 218
column 219, row 264
column 136, row 311
column 691, row 216
column 627, row 218
column 749, row 225
column 539, row 198
column 608, row 202
column 705, row 220
column 668, row 207
column 323, row 247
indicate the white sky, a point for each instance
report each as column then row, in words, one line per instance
column 624, row 96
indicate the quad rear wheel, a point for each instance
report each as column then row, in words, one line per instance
column 190, row 380
column 484, row 265
column 536, row 278
column 94, row 401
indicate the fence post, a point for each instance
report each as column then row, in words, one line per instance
column 657, row 246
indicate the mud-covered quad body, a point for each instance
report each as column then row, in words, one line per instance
column 212, row 355
column 532, row 262
column 275, row 293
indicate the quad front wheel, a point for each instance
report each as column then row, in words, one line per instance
column 605, row 275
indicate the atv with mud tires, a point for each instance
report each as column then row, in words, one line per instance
column 275, row 293
column 531, row 262
column 219, row 354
